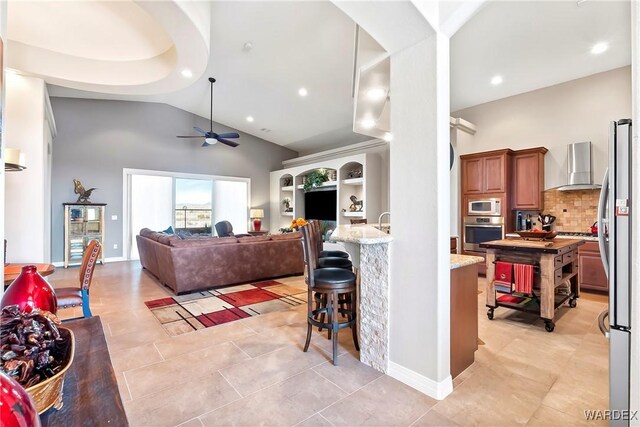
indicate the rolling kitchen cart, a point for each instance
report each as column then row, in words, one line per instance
column 556, row 263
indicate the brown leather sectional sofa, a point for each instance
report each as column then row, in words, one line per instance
column 205, row 263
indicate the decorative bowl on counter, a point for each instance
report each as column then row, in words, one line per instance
column 48, row 393
column 537, row 235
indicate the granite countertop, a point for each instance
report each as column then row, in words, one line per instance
column 363, row 234
column 588, row 238
column 459, row 261
column 554, row 246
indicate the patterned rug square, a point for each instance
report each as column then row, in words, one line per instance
column 186, row 313
column 238, row 299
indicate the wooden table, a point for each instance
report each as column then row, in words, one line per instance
column 557, row 261
column 258, row 233
column 11, row 271
column 90, row 391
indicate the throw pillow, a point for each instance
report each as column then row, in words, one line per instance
column 168, row 230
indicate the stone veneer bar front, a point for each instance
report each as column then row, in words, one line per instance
column 369, row 251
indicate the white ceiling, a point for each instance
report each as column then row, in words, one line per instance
column 295, row 44
column 535, row 44
column 115, row 31
column 310, row 44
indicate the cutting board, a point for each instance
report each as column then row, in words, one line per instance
column 528, row 243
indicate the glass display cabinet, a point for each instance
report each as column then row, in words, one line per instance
column 82, row 223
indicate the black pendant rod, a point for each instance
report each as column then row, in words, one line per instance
column 212, row 80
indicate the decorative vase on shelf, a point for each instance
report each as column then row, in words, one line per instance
column 30, row 291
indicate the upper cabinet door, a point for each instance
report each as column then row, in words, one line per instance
column 528, row 179
column 473, row 176
column 495, row 174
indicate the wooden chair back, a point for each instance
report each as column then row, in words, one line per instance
column 310, row 253
column 358, row 221
column 91, row 254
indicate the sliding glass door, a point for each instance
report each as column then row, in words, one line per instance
column 191, row 204
column 230, row 203
column 150, row 206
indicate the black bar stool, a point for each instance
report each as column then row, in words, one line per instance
column 315, row 225
column 330, row 283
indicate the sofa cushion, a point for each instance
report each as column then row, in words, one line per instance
column 253, row 239
column 169, row 230
column 154, row 235
column 145, row 232
column 287, row 236
column 166, row 239
column 210, row 241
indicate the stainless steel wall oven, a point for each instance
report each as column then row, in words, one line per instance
column 480, row 229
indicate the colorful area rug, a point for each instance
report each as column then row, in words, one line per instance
column 185, row 313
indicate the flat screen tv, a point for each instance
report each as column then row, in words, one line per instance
column 320, row 205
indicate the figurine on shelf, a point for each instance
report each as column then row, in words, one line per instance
column 356, row 205
column 287, row 182
column 286, row 202
column 354, row 173
column 83, row 195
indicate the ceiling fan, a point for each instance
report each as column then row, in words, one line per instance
column 211, row 137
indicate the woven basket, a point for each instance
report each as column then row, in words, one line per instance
column 48, row 393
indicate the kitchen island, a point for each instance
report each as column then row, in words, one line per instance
column 555, row 264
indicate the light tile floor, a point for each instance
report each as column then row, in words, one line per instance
column 253, row 371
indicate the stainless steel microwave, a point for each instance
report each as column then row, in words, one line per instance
column 484, row 207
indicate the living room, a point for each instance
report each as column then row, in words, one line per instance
column 289, row 78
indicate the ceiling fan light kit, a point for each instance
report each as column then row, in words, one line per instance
column 210, row 137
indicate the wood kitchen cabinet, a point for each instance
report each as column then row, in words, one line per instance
column 591, row 274
column 453, row 245
column 485, row 172
column 528, row 179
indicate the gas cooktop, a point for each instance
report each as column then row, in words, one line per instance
column 576, row 233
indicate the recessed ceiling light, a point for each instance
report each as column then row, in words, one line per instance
column 376, row 94
column 598, row 48
column 303, row 92
column 388, row 136
column 496, row 80
column 250, row 119
column 186, row 73
column 368, row 122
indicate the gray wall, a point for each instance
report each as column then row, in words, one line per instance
column 97, row 139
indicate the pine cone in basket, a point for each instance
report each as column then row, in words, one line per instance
column 30, row 349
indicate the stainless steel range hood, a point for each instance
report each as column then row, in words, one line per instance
column 580, row 175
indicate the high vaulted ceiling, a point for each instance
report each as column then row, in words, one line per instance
column 137, row 50
column 535, row 44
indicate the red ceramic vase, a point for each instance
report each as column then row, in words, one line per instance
column 257, row 224
column 30, row 291
column 16, row 407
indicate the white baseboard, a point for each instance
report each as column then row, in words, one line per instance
column 106, row 260
column 435, row 389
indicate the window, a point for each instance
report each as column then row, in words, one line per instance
column 193, row 205
column 189, row 202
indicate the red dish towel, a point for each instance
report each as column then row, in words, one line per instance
column 504, row 274
column 523, row 278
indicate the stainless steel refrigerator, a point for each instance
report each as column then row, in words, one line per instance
column 614, row 221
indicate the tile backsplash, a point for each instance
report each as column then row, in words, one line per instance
column 574, row 210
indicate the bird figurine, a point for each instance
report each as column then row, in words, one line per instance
column 83, row 195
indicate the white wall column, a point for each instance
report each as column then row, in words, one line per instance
column 26, row 212
column 420, row 187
